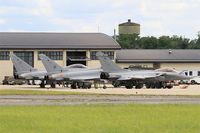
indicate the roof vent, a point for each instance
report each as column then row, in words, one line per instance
column 170, row 51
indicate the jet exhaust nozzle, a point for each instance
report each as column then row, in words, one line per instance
column 46, row 77
column 16, row 76
column 104, row 75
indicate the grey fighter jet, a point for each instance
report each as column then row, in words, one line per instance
column 25, row 71
column 123, row 77
column 78, row 74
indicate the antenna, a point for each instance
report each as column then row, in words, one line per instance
column 115, row 35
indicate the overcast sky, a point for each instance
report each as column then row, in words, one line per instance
column 157, row 17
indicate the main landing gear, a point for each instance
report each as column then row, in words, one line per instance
column 84, row 85
column 158, row 85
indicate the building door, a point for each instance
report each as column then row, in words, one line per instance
column 27, row 56
column 76, row 57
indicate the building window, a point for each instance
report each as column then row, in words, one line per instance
column 186, row 73
column 26, row 56
column 190, row 73
column 198, row 73
column 54, row 55
column 4, row 55
column 109, row 53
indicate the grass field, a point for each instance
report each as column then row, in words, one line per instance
column 100, row 119
column 36, row 92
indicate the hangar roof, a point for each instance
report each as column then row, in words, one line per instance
column 45, row 40
column 158, row 55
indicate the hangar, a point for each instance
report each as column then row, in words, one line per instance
column 72, row 48
column 64, row 48
column 179, row 59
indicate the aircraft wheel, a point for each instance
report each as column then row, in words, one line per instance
column 42, row 85
column 139, row 86
column 116, row 84
column 164, row 85
column 129, row 87
column 153, row 86
column 90, row 86
column 193, row 82
column 84, row 86
column 53, row 85
column 33, row 82
column 73, row 86
column 80, row 85
column 29, row 82
column 148, row 85
column 158, row 85
column 104, row 87
column 169, row 86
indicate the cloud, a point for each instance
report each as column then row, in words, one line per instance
column 15, row 10
column 154, row 28
column 3, row 21
column 170, row 17
column 159, row 6
column 37, row 8
column 157, row 17
column 43, row 8
column 74, row 25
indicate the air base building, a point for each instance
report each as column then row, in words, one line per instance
column 64, row 48
column 81, row 48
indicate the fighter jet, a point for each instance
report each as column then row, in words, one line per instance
column 25, row 71
column 129, row 78
column 78, row 74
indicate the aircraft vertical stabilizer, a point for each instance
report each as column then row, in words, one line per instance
column 20, row 65
column 50, row 65
column 107, row 64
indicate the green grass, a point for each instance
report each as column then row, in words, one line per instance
column 36, row 92
column 52, row 92
column 100, row 119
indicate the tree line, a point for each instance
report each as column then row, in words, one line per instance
column 163, row 42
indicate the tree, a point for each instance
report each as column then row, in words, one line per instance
column 128, row 41
column 163, row 42
column 148, row 42
column 193, row 44
column 198, row 41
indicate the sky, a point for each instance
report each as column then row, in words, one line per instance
column 157, row 17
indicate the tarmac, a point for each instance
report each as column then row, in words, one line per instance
column 176, row 95
column 182, row 90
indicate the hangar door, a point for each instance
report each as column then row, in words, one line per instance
column 76, row 57
column 27, row 56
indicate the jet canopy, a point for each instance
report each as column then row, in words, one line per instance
column 77, row 66
column 166, row 70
